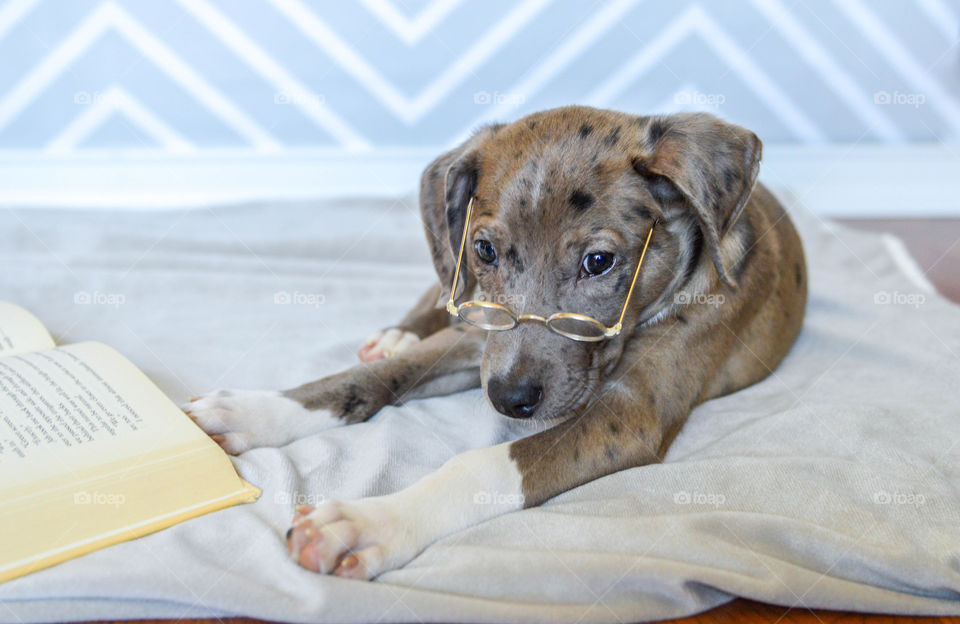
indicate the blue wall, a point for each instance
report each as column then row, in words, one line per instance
column 270, row 75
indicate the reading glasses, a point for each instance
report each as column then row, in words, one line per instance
column 496, row 317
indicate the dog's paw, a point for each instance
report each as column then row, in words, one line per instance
column 239, row 420
column 386, row 343
column 358, row 540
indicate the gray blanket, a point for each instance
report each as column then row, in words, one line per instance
column 834, row 483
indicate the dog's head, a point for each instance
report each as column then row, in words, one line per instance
column 563, row 202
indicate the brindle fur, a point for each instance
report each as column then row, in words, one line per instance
column 719, row 301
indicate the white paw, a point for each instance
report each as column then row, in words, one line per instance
column 358, row 540
column 239, row 420
column 386, row 343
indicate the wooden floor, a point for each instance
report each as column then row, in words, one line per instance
column 935, row 243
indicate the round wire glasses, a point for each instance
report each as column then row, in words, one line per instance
column 496, row 317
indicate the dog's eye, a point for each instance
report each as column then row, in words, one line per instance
column 486, row 251
column 597, row 263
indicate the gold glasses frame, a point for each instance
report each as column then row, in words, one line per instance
column 553, row 322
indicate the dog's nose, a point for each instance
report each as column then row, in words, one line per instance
column 517, row 401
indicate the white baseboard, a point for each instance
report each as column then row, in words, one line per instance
column 149, row 180
column 848, row 181
column 869, row 181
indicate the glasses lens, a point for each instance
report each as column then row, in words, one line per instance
column 487, row 316
column 577, row 327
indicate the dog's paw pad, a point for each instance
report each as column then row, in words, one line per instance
column 341, row 539
column 358, row 564
column 386, row 343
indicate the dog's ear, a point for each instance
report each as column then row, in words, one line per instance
column 707, row 162
column 446, row 186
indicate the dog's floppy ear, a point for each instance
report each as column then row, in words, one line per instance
column 446, row 187
column 711, row 163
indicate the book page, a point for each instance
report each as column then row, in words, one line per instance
column 92, row 453
column 21, row 331
column 65, row 409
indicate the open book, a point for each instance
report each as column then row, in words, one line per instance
column 91, row 452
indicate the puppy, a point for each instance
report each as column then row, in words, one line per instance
column 628, row 268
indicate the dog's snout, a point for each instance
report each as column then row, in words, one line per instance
column 518, row 400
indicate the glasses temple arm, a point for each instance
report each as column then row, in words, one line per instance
column 636, row 273
column 451, row 306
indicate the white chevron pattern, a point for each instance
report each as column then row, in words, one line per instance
column 110, row 16
column 410, row 31
column 407, row 109
column 115, row 100
column 834, row 75
column 12, row 12
column 568, row 51
column 787, row 70
column 694, row 20
column 914, row 73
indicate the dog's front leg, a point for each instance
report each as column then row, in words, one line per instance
column 425, row 319
column 238, row 420
column 361, row 539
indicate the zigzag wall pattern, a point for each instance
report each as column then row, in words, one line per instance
column 270, row 75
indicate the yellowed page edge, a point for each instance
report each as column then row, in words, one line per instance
column 186, row 481
column 247, row 494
